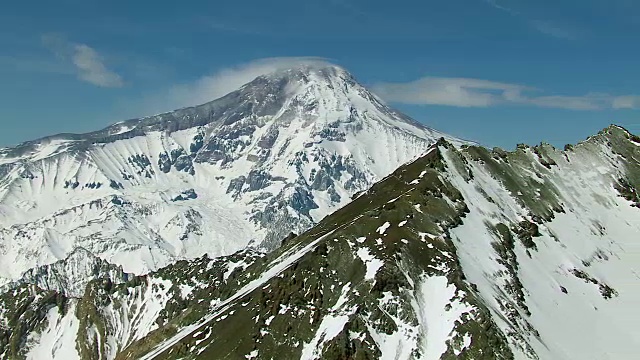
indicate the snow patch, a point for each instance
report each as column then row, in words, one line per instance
column 372, row 263
column 332, row 324
column 185, row 290
column 383, row 228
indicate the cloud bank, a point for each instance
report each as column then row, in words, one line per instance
column 222, row 82
column 88, row 63
column 445, row 91
column 465, row 92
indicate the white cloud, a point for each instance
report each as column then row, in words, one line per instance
column 88, row 63
column 464, row 92
column 545, row 27
column 554, row 30
column 92, row 69
column 459, row 92
column 627, row 102
column 220, row 83
column 499, row 6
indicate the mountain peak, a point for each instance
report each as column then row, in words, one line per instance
column 325, row 69
column 273, row 157
column 324, row 79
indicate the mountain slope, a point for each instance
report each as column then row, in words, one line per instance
column 273, row 157
column 463, row 253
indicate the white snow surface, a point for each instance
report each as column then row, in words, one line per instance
column 437, row 322
column 58, row 340
column 127, row 318
column 383, row 228
column 134, row 315
column 332, row 324
column 44, row 217
column 372, row 263
column 597, row 234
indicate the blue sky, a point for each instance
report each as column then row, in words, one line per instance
column 497, row 71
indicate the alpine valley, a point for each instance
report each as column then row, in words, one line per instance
column 176, row 236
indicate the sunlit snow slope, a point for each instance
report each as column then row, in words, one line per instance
column 271, row 158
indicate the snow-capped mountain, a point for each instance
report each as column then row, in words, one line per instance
column 271, row 158
column 71, row 275
column 463, row 253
